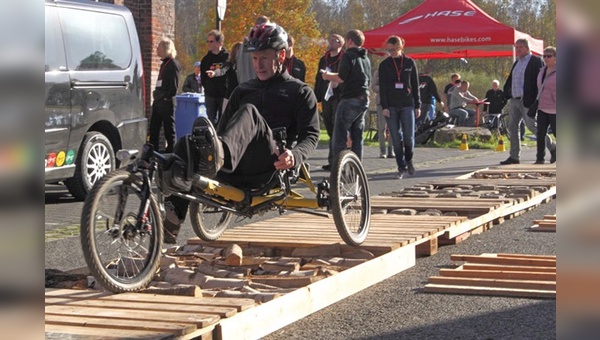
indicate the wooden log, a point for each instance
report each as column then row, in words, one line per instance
column 185, row 276
column 481, row 282
column 258, row 297
column 180, row 289
column 224, row 283
column 493, row 291
column 233, row 255
column 278, row 266
column 207, row 269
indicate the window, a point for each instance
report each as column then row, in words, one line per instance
column 55, row 57
column 95, row 41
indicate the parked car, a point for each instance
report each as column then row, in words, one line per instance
column 94, row 91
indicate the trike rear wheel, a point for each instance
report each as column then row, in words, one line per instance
column 209, row 223
column 350, row 198
column 121, row 254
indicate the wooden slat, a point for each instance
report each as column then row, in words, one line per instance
column 109, row 325
column 501, row 260
column 516, row 275
column 495, row 291
column 198, row 319
column 499, row 267
column 181, row 308
column 58, row 331
column 481, row 282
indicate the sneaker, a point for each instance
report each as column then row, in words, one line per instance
column 510, row 160
column 552, row 157
column 382, row 155
column 208, row 148
column 400, row 173
column 411, row 168
column 539, row 161
column 171, row 224
column 326, row 167
column 391, row 155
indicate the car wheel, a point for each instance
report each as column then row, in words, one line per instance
column 95, row 159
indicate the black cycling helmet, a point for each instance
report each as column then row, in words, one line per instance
column 265, row 36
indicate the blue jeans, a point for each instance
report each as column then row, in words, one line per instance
column 401, row 123
column 349, row 116
column 427, row 112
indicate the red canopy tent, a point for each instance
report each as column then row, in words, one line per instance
column 450, row 29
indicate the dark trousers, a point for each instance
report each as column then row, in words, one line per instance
column 328, row 115
column 162, row 115
column 249, row 153
column 543, row 121
column 214, row 108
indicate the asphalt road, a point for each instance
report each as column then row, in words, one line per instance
column 396, row 308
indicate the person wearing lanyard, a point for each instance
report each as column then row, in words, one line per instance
column 329, row 62
column 166, row 88
column 400, row 102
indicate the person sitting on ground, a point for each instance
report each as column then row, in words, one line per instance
column 245, row 149
column 460, row 98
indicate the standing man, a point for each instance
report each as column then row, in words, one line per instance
column 354, row 73
column 400, row 102
column 521, row 91
column 192, row 82
column 429, row 95
column 330, row 62
column 214, row 88
column 294, row 66
column 167, row 84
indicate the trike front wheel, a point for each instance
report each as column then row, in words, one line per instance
column 122, row 254
column 209, row 223
column 350, row 198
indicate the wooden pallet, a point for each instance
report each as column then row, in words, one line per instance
column 547, row 224
column 135, row 315
column 515, row 275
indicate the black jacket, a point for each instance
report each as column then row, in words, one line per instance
column 496, row 100
column 427, row 89
column 355, row 71
column 296, row 68
column 408, row 95
column 169, row 75
column 283, row 101
column 190, row 84
column 213, row 87
column 530, row 89
column 333, row 63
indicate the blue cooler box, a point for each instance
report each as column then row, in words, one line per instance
column 189, row 107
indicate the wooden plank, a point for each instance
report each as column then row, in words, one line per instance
column 198, row 319
column 495, row 291
column 499, row 267
column 504, row 260
column 58, row 331
column 181, row 308
column 267, row 318
column 111, row 325
column 527, row 256
column 481, row 282
column 505, row 274
column 238, row 304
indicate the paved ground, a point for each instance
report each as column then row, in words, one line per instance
column 396, row 308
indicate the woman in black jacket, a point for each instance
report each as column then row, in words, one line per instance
column 400, row 101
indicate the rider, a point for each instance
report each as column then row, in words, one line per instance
column 245, row 141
